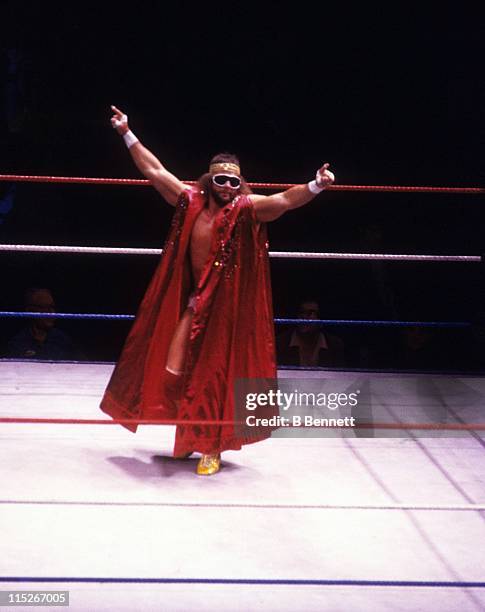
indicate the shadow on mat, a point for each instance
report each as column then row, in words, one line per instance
column 162, row 466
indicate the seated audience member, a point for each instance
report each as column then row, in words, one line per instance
column 40, row 339
column 307, row 345
column 419, row 349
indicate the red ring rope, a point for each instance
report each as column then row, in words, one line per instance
column 278, row 186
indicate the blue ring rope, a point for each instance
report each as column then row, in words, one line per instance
column 117, row 317
column 253, row 581
column 374, row 323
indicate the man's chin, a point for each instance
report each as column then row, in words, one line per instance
column 223, row 198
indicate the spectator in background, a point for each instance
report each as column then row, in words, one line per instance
column 419, row 349
column 7, row 193
column 6, row 200
column 308, row 345
column 374, row 347
column 382, row 301
column 40, row 339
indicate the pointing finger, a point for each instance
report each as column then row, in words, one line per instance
column 116, row 110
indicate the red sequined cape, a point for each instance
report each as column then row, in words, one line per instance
column 232, row 333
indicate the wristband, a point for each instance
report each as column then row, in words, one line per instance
column 130, row 138
column 314, row 188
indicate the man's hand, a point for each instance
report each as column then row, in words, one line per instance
column 269, row 208
column 324, row 177
column 119, row 121
column 165, row 182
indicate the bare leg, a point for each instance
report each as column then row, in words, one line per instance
column 180, row 341
column 208, row 464
column 176, row 360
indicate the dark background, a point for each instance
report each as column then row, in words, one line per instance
column 389, row 94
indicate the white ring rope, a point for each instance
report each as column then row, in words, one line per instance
column 33, row 248
column 37, row 248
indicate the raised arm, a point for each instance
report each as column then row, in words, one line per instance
column 164, row 181
column 269, row 208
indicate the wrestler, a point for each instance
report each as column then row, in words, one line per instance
column 206, row 318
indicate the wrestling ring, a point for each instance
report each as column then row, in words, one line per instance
column 390, row 515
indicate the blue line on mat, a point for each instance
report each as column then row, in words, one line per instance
column 252, row 581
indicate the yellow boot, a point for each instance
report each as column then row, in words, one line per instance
column 208, row 464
